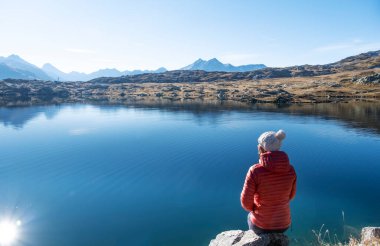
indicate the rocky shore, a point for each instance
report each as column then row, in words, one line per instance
column 370, row 236
column 321, row 89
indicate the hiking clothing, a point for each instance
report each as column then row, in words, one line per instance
column 258, row 231
column 268, row 188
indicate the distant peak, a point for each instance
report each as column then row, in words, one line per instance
column 213, row 60
column 108, row 70
column 14, row 57
column 215, row 65
column 47, row 65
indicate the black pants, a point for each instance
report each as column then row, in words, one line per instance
column 259, row 230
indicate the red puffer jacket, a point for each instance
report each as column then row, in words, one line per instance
column 268, row 188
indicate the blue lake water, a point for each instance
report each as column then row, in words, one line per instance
column 119, row 175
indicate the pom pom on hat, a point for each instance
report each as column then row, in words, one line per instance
column 271, row 141
column 280, row 135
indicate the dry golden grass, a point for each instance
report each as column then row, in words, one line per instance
column 324, row 88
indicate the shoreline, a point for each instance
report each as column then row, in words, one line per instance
column 305, row 90
column 369, row 236
column 361, row 115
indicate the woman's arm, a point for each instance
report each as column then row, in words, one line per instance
column 248, row 192
column 294, row 188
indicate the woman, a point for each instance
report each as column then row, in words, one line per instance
column 269, row 186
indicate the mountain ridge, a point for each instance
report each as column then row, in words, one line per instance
column 104, row 72
column 214, row 65
column 363, row 61
column 18, row 68
column 15, row 67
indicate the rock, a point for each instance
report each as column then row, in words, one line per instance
column 45, row 91
column 253, row 100
column 62, row 93
column 227, row 238
column 249, row 238
column 370, row 236
column 222, row 94
column 283, row 99
column 334, row 85
column 171, row 88
column 371, row 79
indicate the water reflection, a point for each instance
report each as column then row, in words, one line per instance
column 17, row 117
column 9, row 231
column 357, row 115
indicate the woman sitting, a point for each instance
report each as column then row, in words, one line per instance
column 269, row 186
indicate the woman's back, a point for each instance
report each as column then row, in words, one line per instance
column 269, row 186
column 273, row 184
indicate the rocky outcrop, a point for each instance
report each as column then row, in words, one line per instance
column 371, row 79
column 280, row 92
column 370, row 236
column 249, row 238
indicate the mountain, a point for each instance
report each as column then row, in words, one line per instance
column 53, row 71
column 107, row 72
column 214, row 65
column 362, row 62
column 9, row 72
column 14, row 66
column 135, row 72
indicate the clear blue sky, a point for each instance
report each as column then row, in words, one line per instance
column 88, row 35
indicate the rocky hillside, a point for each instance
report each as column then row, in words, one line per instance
column 365, row 61
column 341, row 87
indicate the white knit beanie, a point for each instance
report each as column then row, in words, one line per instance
column 271, row 141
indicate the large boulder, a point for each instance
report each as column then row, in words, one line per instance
column 371, row 79
column 370, row 236
column 249, row 238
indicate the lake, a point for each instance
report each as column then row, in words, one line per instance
column 139, row 175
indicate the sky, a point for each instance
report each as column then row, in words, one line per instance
column 87, row 35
